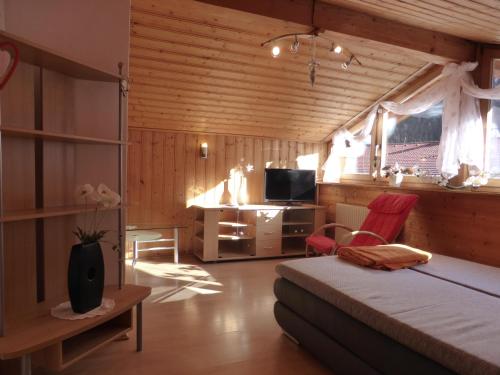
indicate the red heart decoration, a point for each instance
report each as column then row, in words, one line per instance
column 14, row 53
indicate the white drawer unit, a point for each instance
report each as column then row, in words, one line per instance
column 268, row 232
column 269, row 218
column 269, row 248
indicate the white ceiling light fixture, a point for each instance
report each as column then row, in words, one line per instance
column 313, row 64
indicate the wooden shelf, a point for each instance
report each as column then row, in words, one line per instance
column 88, row 342
column 230, row 237
column 234, row 255
column 285, row 223
column 49, row 136
column 45, row 331
column 295, row 235
column 233, row 224
column 44, row 57
column 198, row 238
column 199, row 222
column 20, row 215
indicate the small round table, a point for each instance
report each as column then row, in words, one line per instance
column 141, row 236
column 146, row 233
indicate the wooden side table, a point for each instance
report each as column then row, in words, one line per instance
column 56, row 344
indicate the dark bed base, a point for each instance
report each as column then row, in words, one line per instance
column 342, row 343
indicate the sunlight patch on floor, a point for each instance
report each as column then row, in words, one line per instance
column 182, row 281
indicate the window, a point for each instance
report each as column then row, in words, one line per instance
column 414, row 140
column 493, row 132
column 359, row 164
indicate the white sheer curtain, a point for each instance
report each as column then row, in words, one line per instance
column 462, row 140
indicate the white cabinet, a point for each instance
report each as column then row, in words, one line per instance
column 253, row 231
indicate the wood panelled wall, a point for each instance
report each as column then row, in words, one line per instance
column 458, row 224
column 166, row 174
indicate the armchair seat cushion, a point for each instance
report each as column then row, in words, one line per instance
column 322, row 244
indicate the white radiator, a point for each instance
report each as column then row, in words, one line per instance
column 350, row 215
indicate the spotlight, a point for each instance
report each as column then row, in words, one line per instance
column 347, row 64
column 276, row 51
column 294, row 47
column 336, row 48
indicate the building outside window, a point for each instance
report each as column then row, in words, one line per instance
column 414, row 140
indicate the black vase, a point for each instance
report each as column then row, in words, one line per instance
column 86, row 277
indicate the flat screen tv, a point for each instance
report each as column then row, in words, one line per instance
column 290, row 185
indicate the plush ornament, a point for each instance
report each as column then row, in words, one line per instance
column 9, row 58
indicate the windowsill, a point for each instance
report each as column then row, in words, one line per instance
column 423, row 186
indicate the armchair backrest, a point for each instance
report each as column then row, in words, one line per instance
column 388, row 213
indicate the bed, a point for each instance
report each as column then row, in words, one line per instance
column 439, row 318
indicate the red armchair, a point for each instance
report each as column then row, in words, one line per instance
column 388, row 213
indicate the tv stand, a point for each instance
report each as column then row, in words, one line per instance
column 294, row 204
column 254, row 231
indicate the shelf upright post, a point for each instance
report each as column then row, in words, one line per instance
column 2, row 248
column 122, row 92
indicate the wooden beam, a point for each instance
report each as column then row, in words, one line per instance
column 427, row 45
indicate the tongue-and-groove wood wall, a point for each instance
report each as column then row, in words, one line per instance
column 459, row 224
column 166, row 174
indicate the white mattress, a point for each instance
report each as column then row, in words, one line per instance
column 454, row 325
column 476, row 276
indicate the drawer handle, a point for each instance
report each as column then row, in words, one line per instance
column 268, row 247
column 268, row 232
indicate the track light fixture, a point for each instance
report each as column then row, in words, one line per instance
column 313, row 65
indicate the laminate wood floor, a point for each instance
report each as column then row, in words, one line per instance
column 204, row 319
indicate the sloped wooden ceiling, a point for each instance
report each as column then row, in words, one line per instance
column 199, row 68
column 477, row 20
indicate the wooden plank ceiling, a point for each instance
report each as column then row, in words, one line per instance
column 199, row 68
column 476, row 20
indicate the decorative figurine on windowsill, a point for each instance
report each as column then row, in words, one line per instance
column 396, row 174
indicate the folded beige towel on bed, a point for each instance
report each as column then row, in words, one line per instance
column 384, row 257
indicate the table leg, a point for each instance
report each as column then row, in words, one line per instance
column 176, row 245
column 135, row 254
column 26, row 364
column 139, row 326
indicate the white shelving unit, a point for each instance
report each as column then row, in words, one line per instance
column 254, row 231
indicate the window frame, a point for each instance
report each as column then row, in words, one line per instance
column 413, row 180
column 490, row 54
column 483, row 75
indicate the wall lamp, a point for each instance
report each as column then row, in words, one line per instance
column 204, row 150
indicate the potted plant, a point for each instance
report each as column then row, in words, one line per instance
column 86, row 264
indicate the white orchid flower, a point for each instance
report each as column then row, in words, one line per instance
column 108, row 198
column 84, row 191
